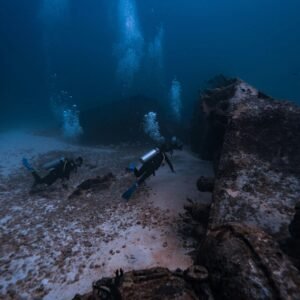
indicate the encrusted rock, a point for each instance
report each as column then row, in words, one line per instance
column 205, row 184
column 199, row 212
column 196, row 273
column 256, row 154
column 254, row 142
column 151, row 284
column 246, row 263
column 93, row 184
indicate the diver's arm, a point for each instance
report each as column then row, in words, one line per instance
column 169, row 163
column 75, row 168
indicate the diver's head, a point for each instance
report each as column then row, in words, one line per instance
column 78, row 161
column 162, row 144
column 161, row 140
column 176, row 143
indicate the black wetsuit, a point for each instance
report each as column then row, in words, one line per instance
column 148, row 165
column 151, row 166
column 61, row 171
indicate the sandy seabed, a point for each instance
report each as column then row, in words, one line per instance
column 52, row 247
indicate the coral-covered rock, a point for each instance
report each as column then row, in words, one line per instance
column 198, row 212
column 246, row 263
column 92, row 184
column 257, row 157
column 256, row 152
column 155, row 283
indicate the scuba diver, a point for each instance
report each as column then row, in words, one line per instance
column 150, row 162
column 58, row 169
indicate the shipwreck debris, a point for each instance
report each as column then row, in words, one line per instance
column 254, row 142
column 246, row 263
column 151, row 284
column 98, row 183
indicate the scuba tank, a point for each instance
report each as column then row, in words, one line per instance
column 142, row 166
column 52, row 164
column 149, row 155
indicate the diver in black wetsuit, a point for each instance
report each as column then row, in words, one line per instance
column 58, row 169
column 151, row 161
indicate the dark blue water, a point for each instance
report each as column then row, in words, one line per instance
column 101, row 51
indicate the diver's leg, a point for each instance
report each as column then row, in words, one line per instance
column 133, row 188
column 143, row 178
column 37, row 178
column 127, row 195
column 50, row 178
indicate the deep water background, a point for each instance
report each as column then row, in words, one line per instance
column 258, row 41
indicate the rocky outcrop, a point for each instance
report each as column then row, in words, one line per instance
column 256, row 153
column 98, row 183
column 246, row 263
column 257, row 157
column 151, row 284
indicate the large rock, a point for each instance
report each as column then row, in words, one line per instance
column 256, row 153
column 257, row 157
column 98, row 183
column 246, row 263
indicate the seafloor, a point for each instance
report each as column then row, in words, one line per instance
column 53, row 245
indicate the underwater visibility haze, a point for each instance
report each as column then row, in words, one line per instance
column 149, row 149
column 102, row 51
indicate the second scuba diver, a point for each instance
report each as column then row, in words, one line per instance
column 151, row 161
column 58, row 169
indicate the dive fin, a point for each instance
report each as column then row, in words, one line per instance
column 127, row 195
column 27, row 165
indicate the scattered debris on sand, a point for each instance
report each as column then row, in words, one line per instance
column 56, row 241
column 154, row 283
column 96, row 184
